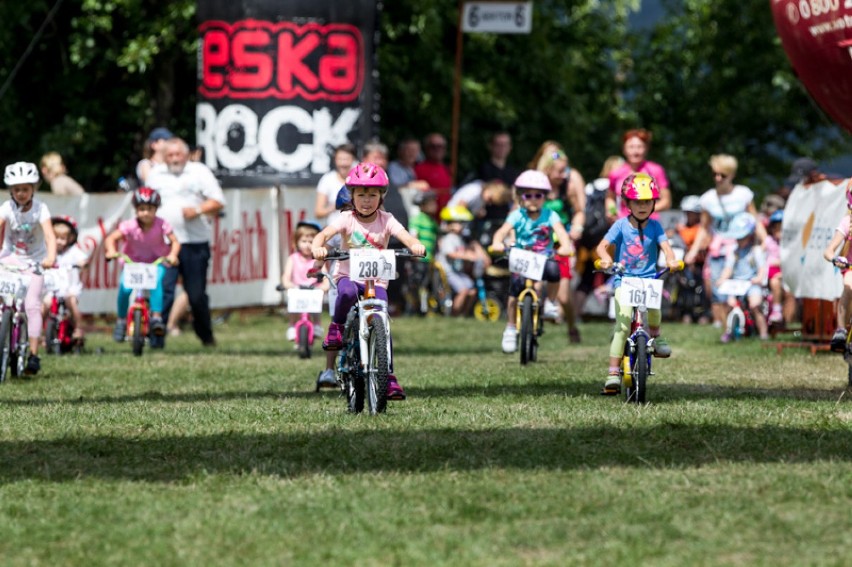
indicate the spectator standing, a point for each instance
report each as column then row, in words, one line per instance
column 719, row 206
column 154, row 152
column 497, row 166
column 433, row 170
column 401, row 170
column 330, row 183
column 55, row 173
column 635, row 146
column 190, row 196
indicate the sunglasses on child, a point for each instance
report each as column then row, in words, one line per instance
column 532, row 195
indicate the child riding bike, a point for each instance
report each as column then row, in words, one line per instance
column 842, row 258
column 746, row 262
column 534, row 228
column 28, row 239
column 364, row 226
column 69, row 257
column 146, row 238
column 637, row 239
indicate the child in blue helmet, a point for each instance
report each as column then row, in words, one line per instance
column 747, row 262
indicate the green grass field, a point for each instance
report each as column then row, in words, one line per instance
column 228, row 457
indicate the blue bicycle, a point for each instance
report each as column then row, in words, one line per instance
column 639, row 346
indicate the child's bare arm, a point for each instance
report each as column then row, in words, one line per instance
column 502, row 233
column 563, row 238
column 671, row 261
column 110, row 243
column 411, row 243
column 172, row 258
column 603, row 253
column 318, row 248
column 287, row 276
column 831, row 250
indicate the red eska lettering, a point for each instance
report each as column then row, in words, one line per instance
column 257, row 59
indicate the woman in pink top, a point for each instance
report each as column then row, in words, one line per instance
column 146, row 238
column 635, row 147
column 365, row 226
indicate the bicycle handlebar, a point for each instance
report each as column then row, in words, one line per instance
column 128, row 260
column 338, row 254
column 619, row 269
column 840, row 262
column 36, row 267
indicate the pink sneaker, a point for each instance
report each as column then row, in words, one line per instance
column 395, row 391
column 334, row 339
column 776, row 316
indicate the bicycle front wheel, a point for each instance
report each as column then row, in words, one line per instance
column 635, row 393
column 304, row 342
column 377, row 366
column 22, row 347
column 487, row 310
column 5, row 344
column 526, row 331
column 51, row 336
column 138, row 336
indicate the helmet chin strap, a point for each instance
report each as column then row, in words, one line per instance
column 639, row 222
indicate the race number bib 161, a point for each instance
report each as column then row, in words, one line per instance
column 304, row 300
column 526, row 263
column 638, row 292
column 372, row 264
column 140, row 276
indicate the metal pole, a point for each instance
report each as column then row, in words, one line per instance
column 454, row 137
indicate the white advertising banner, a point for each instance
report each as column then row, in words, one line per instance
column 248, row 246
column 811, row 216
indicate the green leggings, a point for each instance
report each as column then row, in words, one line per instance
column 623, row 318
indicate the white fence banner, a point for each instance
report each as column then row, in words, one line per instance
column 811, row 216
column 247, row 250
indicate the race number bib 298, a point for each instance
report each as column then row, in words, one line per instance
column 140, row 276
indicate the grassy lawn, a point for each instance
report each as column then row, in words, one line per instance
column 228, row 457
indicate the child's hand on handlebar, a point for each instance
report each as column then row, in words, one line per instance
column 418, row 249
column 840, row 262
column 319, row 253
column 111, row 255
column 602, row 264
column 675, row 265
column 172, row 260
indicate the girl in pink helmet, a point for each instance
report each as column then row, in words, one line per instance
column 637, row 239
column 365, row 226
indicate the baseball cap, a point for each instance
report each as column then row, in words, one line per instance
column 160, row 134
column 802, row 167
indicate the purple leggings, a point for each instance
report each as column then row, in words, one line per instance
column 347, row 296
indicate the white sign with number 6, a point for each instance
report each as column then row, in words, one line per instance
column 371, row 264
column 527, row 263
column 140, row 276
column 641, row 292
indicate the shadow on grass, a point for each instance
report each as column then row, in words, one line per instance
column 171, row 459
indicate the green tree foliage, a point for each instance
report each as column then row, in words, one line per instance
column 711, row 77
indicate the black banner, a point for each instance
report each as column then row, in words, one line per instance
column 280, row 84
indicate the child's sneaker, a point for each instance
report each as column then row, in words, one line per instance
column 119, row 330
column 612, row 386
column 158, row 328
column 550, row 311
column 838, row 341
column 776, row 316
column 662, row 348
column 33, row 365
column 291, row 333
column 326, row 379
column 510, row 340
column 725, row 338
column 395, row 391
column 334, row 338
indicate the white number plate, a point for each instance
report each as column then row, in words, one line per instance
column 140, row 276
column 304, row 300
column 372, row 264
column 57, row 280
column 736, row 288
column 10, row 283
column 526, row 263
column 637, row 292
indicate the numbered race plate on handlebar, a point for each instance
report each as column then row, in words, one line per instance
column 11, row 283
column 737, row 288
column 527, row 263
column 140, row 276
column 57, row 280
column 641, row 292
column 304, row 300
column 372, row 264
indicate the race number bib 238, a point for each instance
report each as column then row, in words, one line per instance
column 372, row 264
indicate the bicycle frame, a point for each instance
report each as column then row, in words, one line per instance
column 14, row 351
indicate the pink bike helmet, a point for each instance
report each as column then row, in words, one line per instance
column 368, row 175
column 532, row 179
column 640, row 187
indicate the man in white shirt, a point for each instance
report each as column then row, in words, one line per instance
column 191, row 196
